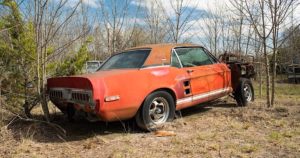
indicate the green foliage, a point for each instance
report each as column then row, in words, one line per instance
column 74, row 63
column 50, row 50
column 17, row 53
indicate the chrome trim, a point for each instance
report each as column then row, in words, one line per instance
column 158, row 66
column 174, row 51
column 201, row 96
column 184, row 100
column 68, row 98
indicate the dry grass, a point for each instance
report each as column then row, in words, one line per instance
column 215, row 130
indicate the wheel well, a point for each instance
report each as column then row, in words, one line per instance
column 170, row 91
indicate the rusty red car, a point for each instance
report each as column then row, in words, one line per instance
column 149, row 83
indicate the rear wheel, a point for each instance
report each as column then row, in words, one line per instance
column 158, row 108
column 244, row 93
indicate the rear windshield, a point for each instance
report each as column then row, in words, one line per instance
column 126, row 60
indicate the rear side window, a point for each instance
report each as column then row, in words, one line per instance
column 126, row 60
column 195, row 56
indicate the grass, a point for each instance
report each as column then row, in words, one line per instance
column 275, row 136
column 216, row 130
column 248, row 148
column 282, row 90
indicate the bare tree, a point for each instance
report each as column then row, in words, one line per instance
column 214, row 27
column 50, row 20
column 183, row 18
column 256, row 13
column 155, row 22
column 119, row 27
column 266, row 17
column 280, row 10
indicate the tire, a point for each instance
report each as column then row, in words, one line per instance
column 244, row 93
column 157, row 108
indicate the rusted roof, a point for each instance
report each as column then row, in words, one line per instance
column 159, row 52
column 163, row 46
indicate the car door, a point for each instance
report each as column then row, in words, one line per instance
column 204, row 73
column 220, row 78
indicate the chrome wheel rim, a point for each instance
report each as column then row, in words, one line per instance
column 159, row 110
column 248, row 92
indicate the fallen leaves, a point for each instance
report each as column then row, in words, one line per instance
column 164, row 133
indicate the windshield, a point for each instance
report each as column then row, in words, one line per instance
column 126, row 60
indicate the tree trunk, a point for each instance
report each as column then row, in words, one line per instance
column 177, row 27
column 0, row 93
column 266, row 60
column 44, row 102
column 215, row 39
column 26, row 104
column 274, row 58
column 45, row 105
column 260, row 78
column 273, row 78
column 248, row 41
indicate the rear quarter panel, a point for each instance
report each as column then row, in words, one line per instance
column 134, row 87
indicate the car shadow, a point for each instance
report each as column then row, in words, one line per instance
column 205, row 107
column 61, row 130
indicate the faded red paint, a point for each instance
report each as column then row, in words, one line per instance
column 134, row 85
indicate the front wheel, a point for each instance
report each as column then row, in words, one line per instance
column 244, row 93
column 158, row 108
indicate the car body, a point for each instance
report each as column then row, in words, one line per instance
column 124, row 83
column 293, row 73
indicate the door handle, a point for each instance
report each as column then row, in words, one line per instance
column 189, row 70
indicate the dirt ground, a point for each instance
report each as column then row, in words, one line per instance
column 218, row 129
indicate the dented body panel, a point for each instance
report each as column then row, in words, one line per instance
column 119, row 93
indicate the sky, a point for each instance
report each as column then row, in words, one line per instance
column 202, row 7
column 199, row 5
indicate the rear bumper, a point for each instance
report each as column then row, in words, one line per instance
column 82, row 100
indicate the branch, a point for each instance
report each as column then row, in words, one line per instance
column 18, row 117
